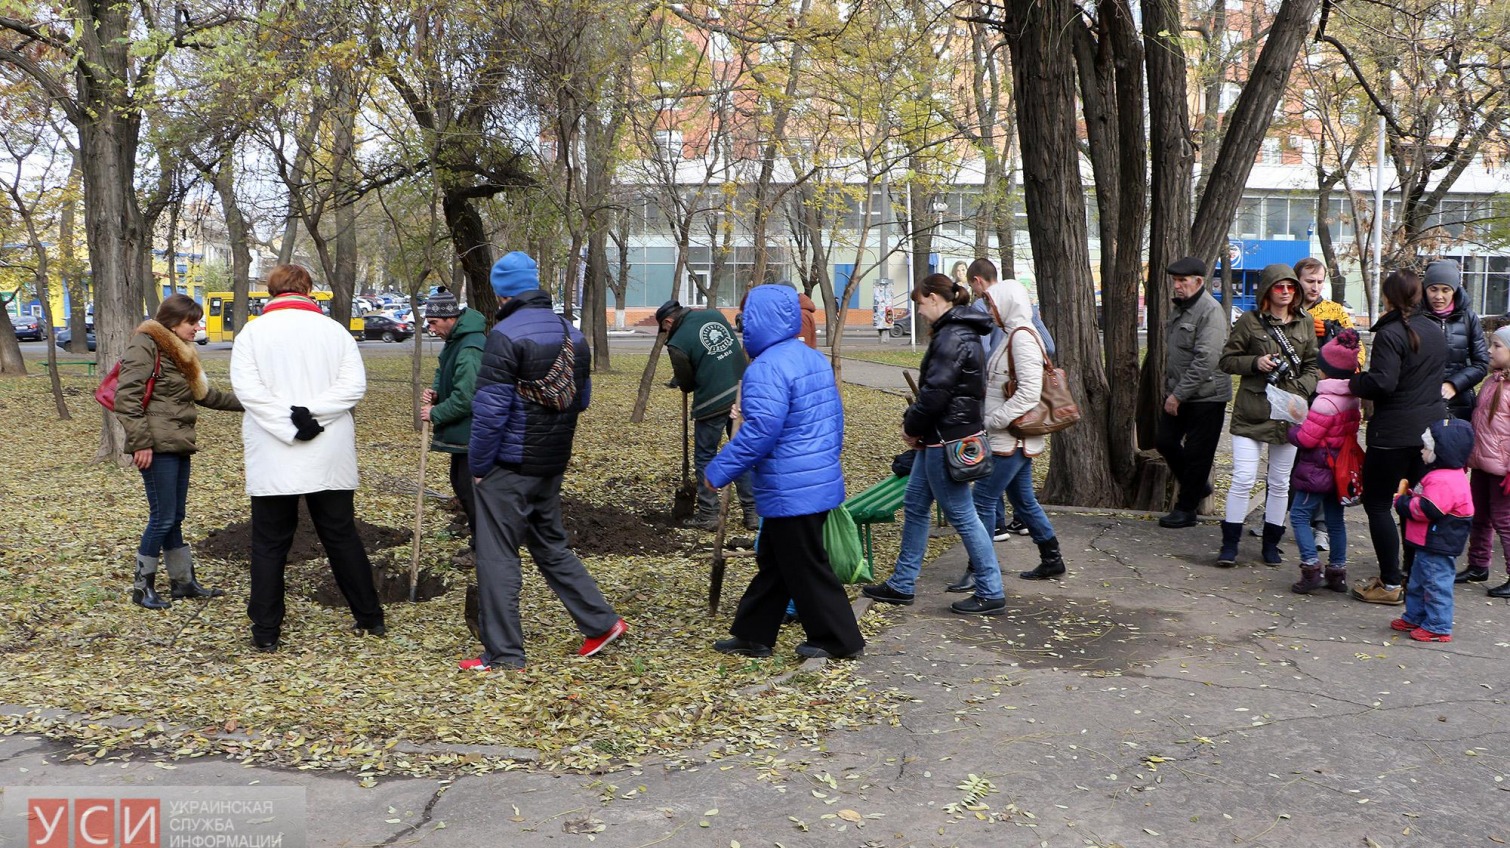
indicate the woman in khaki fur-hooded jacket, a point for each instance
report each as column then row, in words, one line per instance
column 160, row 439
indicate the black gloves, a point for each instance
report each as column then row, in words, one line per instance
column 306, row 424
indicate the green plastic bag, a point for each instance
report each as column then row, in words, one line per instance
column 841, row 539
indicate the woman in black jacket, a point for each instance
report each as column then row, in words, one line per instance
column 1404, row 380
column 950, row 405
column 1467, row 348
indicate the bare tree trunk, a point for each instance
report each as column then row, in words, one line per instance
column 343, row 282
column 73, row 273
column 11, row 362
column 1044, row 75
column 1172, row 159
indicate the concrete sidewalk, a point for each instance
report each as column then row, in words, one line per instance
column 1148, row 699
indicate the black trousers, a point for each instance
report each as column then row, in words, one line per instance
column 466, row 492
column 1383, row 469
column 275, row 518
column 793, row 564
column 1188, row 444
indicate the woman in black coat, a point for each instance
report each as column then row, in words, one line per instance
column 1467, row 347
column 950, row 405
column 1404, row 380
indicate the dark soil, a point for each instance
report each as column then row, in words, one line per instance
column 392, row 587
column 602, row 530
column 234, row 543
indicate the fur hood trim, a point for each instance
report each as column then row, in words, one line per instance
column 182, row 354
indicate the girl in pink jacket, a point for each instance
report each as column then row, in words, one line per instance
column 1438, row 514
column 1331, row 422
column 1490, row 462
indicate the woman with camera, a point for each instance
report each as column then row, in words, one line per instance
column 1274, row 345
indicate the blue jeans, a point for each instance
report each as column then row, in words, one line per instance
column 1428, row 593
column 1302, row 511
column 707, row 434
column 167, row 481
column 1013, row 476
column 930, row 481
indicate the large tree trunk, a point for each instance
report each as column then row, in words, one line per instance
column 11, row 363
column 1169, row 195
column 1246, row 126
column 470, row 238
column 343, row 283
column 1044, row 75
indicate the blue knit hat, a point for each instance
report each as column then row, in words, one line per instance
column 515, row 274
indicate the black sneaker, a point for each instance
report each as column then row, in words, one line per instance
column 378, row 630
column 809, row 651
column 976, row 605
column 1017, row 528
column 885, row 594
column 1001, row 533
column 706, row 523
column 266, row 646
column 741, row 648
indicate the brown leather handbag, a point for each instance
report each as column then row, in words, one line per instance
column 1056, row 409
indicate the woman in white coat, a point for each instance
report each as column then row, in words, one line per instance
column 299, row 375
column 1012, row 463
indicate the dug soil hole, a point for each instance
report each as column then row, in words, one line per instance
column 392, row 587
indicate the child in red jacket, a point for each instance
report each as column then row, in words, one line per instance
column 1438, row 515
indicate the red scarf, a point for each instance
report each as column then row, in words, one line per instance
column 293, row 301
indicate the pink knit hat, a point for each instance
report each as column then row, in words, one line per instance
column 1339, row 357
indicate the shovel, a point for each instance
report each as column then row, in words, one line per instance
column 419, row 511
column 686, row 495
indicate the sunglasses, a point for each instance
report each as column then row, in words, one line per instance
column 1289, row 287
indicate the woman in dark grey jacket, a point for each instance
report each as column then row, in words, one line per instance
column 1404, row 380
column 1467, row 348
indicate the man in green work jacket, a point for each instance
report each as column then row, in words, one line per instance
column 708, row 361
column 448, row 402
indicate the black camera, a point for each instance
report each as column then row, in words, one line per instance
column 1281, row 369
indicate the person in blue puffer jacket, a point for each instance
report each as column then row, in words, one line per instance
column 793, row 428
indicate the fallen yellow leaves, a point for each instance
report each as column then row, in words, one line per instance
column 184, row 682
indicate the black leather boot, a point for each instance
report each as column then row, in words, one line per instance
column 1272, row 534
column 1232, row 533
column 966, row 582
column 143, row 585
column 181, row 581
column 1050, row 563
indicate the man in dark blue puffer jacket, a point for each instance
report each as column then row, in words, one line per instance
column 518, row 454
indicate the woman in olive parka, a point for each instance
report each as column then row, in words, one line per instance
column 1272, row 344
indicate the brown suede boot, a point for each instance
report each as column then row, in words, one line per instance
column 1310, row 579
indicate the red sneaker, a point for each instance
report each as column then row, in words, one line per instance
column 1421, row 634
column 1402, row 625
column 598, row 643
column 473, row 664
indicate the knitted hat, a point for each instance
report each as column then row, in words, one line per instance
column 1503, row 334
column 1443, row 272
column 515, row 274
column 442, row 304
column 668, row 309
column 1339, row 357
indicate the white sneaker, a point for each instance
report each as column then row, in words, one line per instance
column 1322, row 542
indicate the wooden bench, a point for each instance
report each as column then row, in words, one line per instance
column 88, row 363
column 876, row 505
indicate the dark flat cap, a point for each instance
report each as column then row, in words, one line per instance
column 1187, row 267
column 667, row 309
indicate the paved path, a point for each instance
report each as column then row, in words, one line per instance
column 1147, row 700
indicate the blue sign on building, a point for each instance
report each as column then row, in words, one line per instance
column 1246, row 258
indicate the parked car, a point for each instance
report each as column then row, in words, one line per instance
column 63, row 336
column 29, row 328
column 385, row 328
column 201, row 333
